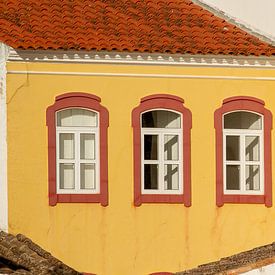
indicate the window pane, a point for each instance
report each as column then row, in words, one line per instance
column 161, row 119
column 150, row 147
column 242, row 120
column 76, row 118
column 87, row 176
column 232, row 148
column 252, row 148
column 232, row 177
column 171, row 177
column 150, row 176
column 66, row 176
column 87, row 146
column 252, row 177
column 66, row 146
column 171, row 147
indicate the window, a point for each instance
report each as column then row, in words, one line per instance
column 243, row 151
column 161, row 153
column 161, row 150
column 77, row 157
column 77, row 133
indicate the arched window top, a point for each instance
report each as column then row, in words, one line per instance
column 161, row 119
column 77, row 117
column 242, row 120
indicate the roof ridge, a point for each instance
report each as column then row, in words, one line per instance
column 237, row 22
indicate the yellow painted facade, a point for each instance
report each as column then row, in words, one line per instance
column 122, row 239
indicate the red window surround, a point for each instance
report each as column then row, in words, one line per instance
column 243, row 103
column 172, row 103
column 88, row 101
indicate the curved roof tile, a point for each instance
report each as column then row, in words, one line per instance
column 174, row 26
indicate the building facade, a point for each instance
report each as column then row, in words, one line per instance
column 125, row 162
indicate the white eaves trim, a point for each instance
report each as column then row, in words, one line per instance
column 61, row 56
column 4, row 52
column 140, row 75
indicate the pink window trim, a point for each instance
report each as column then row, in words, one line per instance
column 172, row 103
column 82, row 100
column 244, row 103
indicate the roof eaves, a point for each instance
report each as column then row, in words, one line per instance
column 115, row 57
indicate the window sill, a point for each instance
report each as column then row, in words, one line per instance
column 249, row 199
column 78, row 198
column 153, row 198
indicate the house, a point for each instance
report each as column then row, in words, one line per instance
column 135, row 136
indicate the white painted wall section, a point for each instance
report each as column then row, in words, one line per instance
column 4, row 52
column 265, row 270
column 258, row 14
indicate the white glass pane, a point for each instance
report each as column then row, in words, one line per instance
column 66, row 176
column 87, row 176
column 150, row 147
column 232, row 148
column 87, row 146
column 252, row 148
column 232, row 177
column 66, row 146
column 150, row 176
column 76, row 118
column 171, row 177
column 161, row 119
column 171, row 147
column 252, row 177
column 242, row 120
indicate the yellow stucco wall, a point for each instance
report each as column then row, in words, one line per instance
column 122, row 239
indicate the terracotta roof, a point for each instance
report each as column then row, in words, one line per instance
column 238, row 263
column 163, row 26
column 19, row 255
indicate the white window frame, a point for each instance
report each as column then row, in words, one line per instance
column 242, row 133
column 160, row 132
column 77, row 161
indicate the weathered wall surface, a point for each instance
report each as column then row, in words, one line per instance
column 121, row 238
column 3, row 140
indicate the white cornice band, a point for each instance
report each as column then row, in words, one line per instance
column 59, row 56
column 147, row 75
column 4, row 52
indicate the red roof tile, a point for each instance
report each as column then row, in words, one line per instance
column 164, row 26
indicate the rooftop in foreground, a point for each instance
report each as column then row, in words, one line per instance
column 238, row 263
column 19, row 255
